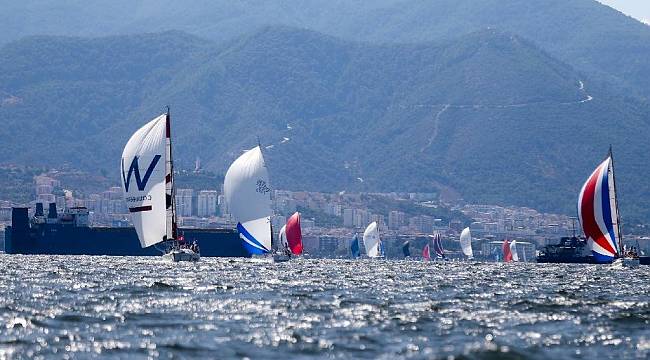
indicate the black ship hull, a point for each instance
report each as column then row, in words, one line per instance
column 26, row 237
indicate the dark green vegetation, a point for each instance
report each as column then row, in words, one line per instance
column 584, row 33
column 17, row 184
column 497, row 116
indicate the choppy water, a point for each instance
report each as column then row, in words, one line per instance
column 142, row 307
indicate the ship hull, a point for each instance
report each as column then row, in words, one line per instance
column 57, row 239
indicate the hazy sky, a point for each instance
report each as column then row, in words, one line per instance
column 639, row 9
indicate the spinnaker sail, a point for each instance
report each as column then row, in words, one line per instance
column 294, row 234
column 371, row 241
column 513, row 250
column 147, row 181
column 354, row 247
column 406, row 248
column 466, row 243
column 437, row 246
column 426, row 252
column 282, row 236
column 248, row 194
column 505, row 247
column 598, row 212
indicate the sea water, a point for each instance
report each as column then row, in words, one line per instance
column 130, row 307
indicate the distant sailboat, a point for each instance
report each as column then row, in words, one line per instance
column 599, row 216
column 505, row 247
column 437, row 246
column 513, row 250
column 426, row 252
column 372, row 242
column 294, row 234
column 466, row 243
column 406, row 249
column 148, row 184
column 354, row 247
column 248, row 194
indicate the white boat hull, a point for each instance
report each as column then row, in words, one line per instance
column 628, row 262
column 181, row 255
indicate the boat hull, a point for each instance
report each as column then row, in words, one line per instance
column 181, row 255
column 63, row 239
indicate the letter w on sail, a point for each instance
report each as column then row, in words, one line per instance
column 141, row 182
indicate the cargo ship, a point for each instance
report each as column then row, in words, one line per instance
column 69, row 233
column 569, row 250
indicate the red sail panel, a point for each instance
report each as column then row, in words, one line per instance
column 294, row 234
column 507, row 254
column 426, row 253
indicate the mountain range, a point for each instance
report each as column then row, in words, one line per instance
column 435, row 104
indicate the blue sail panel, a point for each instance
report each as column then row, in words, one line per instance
column 354, row 248
column 251, row 244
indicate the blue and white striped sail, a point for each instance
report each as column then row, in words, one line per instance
column 248, row 194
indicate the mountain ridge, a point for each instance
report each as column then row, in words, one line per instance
column 490, row 114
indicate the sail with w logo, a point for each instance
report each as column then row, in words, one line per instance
column 145, row 169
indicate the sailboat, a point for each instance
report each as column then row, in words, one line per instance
column 437, row 246
column 247, row 192
column 513, row 250
column 290, row 239
column 372, row 242
column 148, row 184
column 354, row 247
column 294, row 234
column 406, row 249
column 599, row 216
column 466, row 243
column 505, row 247
column 426, row 252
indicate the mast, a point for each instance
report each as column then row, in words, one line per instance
column 273, row 242
column 169, row 178
column 618, row 216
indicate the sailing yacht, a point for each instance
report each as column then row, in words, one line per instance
column 372, row 242
column 247, row 192
column 148, row 184
column 466, row 243
column 426, row 252
column 406, row 249
column 290, row 239
column 355, row 250
column 513, row 251
column 599, row 216
column 505, row 247
column 437, row 246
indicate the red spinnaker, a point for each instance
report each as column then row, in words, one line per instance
column 426, row 253
column 507, row 254
column 294, row 234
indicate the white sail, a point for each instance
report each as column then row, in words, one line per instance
column 466, row 243
column 248, row 194
column 513, row 250
column 284, row 243
column 371, row 240
column 143, row 168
